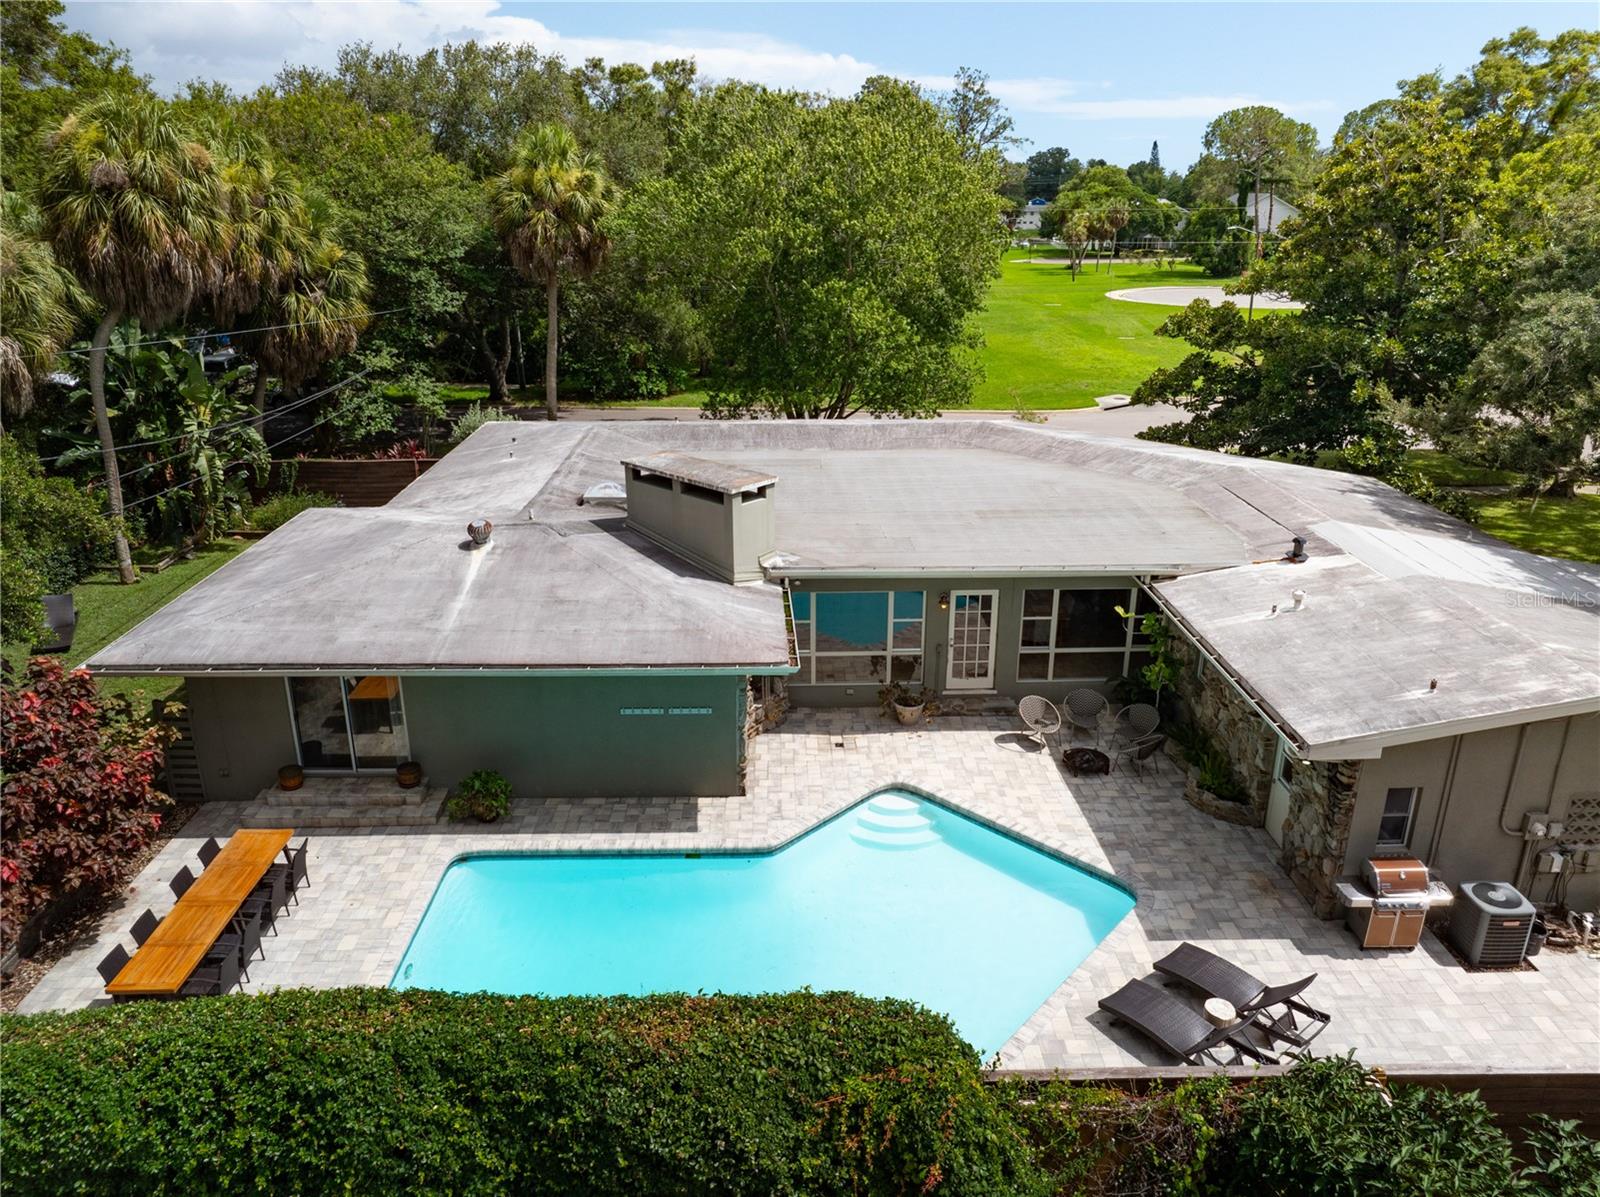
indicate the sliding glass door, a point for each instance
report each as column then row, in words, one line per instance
column 347, row 723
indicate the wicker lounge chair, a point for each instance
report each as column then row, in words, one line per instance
column 1041, row 717
column 1178, row 1028
column 1135, row 722
column 1084, row 708
column 1250, row 996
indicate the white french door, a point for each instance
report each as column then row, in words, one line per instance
column 1278, row 796
column 971, row 661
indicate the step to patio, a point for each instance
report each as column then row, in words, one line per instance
column 330, row 802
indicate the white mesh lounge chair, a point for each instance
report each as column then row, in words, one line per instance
column 1084, row 708
column 1041, row 717
column 1135, row 723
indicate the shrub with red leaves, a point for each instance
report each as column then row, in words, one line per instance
column 79, row 795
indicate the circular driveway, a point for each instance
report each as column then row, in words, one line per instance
column 1182, row 297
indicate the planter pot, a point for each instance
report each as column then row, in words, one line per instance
column 408, row 774
column 291, row 777
column 908, row 715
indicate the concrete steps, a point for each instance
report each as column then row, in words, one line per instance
column 350, row 801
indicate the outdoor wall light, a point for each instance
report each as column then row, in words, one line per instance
column 944, row 600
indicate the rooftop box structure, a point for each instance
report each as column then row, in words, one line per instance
column 714, row 515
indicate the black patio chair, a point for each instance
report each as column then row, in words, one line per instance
column 293, row 871
column 113, row 964
column 208, row 852
column 1178, row 1028
column 181, row 881
column 144, row 926
column 61, row 617
column 215, row 977
column 269, row 898
column 1134, row 755
column 241, row 941
column 1249, row 995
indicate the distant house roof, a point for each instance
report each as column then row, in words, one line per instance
column 1397, row 592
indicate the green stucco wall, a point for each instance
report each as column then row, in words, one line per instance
column 551, row 736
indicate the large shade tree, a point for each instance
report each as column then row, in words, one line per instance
column 134, row 206
column 547, row 208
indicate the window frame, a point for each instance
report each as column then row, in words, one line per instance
column 808, row 656
column 1414, row 794
column 1132, row 642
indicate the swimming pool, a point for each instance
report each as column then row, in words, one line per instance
column 897, row 897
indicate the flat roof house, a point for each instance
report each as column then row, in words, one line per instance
column 1411, row 685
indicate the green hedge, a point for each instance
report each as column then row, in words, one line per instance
column 373, row 1091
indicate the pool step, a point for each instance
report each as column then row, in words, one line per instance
column 894, row 822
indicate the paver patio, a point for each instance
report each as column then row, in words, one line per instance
column 1196, row 879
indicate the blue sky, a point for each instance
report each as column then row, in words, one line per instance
column 1102, row 79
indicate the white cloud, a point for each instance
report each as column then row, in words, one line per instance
column 244, row 42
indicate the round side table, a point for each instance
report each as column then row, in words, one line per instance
column 1220, row 1013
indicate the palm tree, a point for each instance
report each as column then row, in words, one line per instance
column 316, row 315
column 38, row 304
column 547, row 209
column 134, row 208
column 270, row 226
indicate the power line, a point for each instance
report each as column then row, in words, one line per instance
column 292, row 436
column 234, row 332
column 167, row 440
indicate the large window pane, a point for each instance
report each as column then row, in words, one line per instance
column 852, row 622
column 319, row 722
column 1037, row 602
column 849, row 669
column 1033, row 666
column 1088, row 667
column 1035, row 633
column 906, row 669
column 1089, row 619
column 908, row 604
column 377, row 721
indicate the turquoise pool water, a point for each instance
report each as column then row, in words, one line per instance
column 897, row 897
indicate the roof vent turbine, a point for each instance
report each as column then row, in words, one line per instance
column 478, row 531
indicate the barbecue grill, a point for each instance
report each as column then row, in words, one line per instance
column 1399, row 889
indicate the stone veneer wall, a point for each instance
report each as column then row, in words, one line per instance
column 1322, row 794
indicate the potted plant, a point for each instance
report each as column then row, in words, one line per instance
column 483, row 795
column 907, row 704
column 291, row 777
column 408, row 774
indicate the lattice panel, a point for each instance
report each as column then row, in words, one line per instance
column 1582, row 822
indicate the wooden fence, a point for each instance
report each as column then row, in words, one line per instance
column 1515, row 1096
column 362, row 482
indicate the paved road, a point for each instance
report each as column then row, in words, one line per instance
column 1121, row 421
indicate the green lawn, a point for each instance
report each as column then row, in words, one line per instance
column 1554, row 527
column 106, row 609
column 1443, row 470
column 1054, row 341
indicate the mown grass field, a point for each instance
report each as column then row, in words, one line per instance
column 1053, row 341
column 106, row 609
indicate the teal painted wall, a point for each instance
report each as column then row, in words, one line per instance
column 557, row 736
column 567, row 736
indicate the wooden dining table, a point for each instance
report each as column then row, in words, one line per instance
column 165, row 961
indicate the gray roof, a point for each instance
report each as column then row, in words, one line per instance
column 1402, row 636
column 394, row 587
